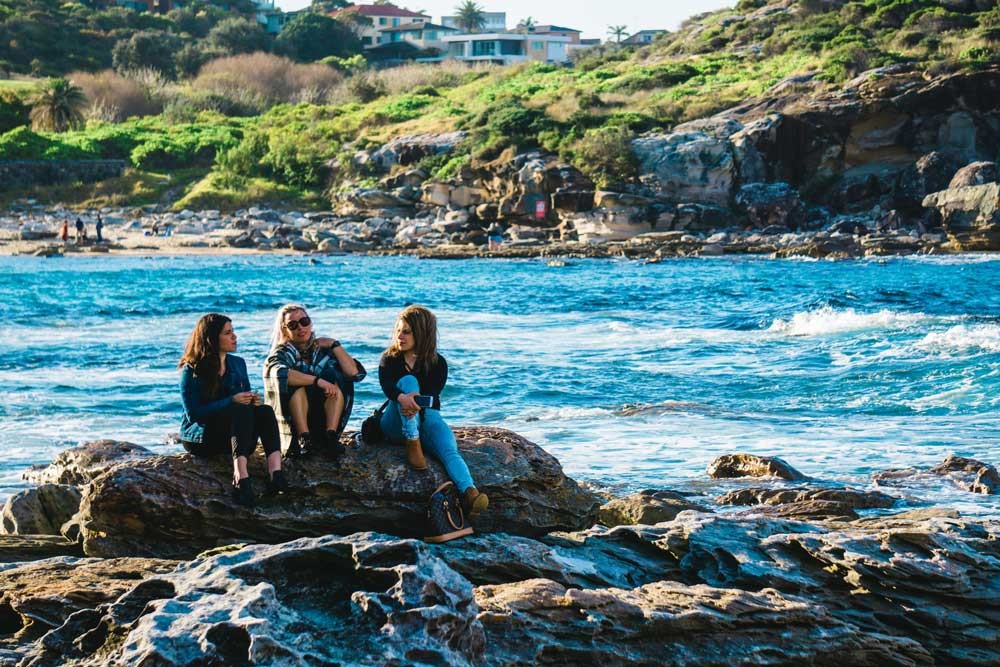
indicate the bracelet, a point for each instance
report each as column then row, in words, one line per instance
column 334, row 344
column 316, row 381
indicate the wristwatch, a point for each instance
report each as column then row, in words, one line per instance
column 335, row 343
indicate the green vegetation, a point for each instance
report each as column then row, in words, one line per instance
column 260, row 126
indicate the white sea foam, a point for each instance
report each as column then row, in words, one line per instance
column 827, row 320
column 962, row 339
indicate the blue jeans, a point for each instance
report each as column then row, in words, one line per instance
column 435, row 435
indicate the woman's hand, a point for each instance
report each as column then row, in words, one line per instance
column 244, row 398
column 328, row 388
column 407, row 405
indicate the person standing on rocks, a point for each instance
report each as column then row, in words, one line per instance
column 80, row 233
column 412, row 374
column 310, row 383
column 98, row 228
column 494, row 235
column 64, row 234
column 221, row 413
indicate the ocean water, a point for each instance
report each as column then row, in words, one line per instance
column 634, row 375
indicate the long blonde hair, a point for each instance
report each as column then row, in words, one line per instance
column 423, row 325
column 279, row 333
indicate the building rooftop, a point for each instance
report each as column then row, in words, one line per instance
column 418, row 26
column 552, row 28
column 381, row 10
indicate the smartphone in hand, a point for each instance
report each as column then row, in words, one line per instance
column 423, row 401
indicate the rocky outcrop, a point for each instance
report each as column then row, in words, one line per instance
column 39, row 511
column 25, row 548
column 176, row 506
column 965, row 473
column 970, row 215
column 79, row 465
column 751, row 465
column 646, row 507
column 975, row 173
column 700, row 589
column 408, row 150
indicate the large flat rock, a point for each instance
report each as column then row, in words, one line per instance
column 177, row 506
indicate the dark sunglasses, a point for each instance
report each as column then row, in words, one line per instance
column 293, row 325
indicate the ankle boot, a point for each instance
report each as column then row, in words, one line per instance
column 278, row 483
column 474, row 502
column 243, row 493
column 334, row 450
column 415, row 455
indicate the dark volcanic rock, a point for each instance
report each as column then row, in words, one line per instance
column 967, row 474
column 646, row 507
column 79, row 465
column 751, row 465
column 176, row 506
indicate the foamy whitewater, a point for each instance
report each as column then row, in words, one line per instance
column 633, row 375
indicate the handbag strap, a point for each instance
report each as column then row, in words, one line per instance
column 384, row 406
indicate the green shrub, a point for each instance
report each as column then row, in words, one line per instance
column 648, row 78
column 14, row 111
column 978, row 56
column 23, row 144
column 512, row 119
column 404, row 108
column 606, row 155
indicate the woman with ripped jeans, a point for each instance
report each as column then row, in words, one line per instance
column 221, row 413
column 411, row 370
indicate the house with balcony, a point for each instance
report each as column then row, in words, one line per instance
column 380, row 17
column 492, row 22
column 507, row 48
column 559, row 31
column 420, row 35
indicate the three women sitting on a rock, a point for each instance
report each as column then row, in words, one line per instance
column 310, row 383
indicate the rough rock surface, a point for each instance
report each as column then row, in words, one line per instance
column 24, row 548
column 39, row 511
column 176, row 506
column 751, row 465
column 645, row 507
column 79, row 465
column 965, row 473
column 702, row 589
column 766, row 496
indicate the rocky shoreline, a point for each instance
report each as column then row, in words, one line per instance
column 786, row 570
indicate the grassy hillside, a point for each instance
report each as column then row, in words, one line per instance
column 587, row 113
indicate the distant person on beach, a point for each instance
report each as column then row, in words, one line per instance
column 494, row 234
column 64, row 234
column 80, row 233
column 98, row 228
column 221, row 413
column 155, row 229
column 310, row 383
column 412, row 370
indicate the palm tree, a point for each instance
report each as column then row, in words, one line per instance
column 618, row 32
column 469, row 16
column 57, row 105
column 527, row 24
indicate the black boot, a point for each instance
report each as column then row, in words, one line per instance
column 334, row 450
column 304, row 445
column 243, row 493
column 278, row 485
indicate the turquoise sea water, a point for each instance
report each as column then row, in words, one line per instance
column 633, row 375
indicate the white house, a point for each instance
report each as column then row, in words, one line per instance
column 492, row 21
column 381, row 17
column 507, row 48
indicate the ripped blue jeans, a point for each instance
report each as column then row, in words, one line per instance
column 435, row 435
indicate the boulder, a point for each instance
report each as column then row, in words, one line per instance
column 965, row 473
column 409, row 149
column 771, row 204
column 751, row 465
column 970, row 215
column 176, row 506
column 646, row 507
column 770, row 496
column 24, row 548
column 975, row 173
column 687, row 166
column 79, row 465
column 39, row 511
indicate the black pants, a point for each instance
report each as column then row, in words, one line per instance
column 236, row 430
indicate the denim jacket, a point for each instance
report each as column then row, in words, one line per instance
column 197, row 409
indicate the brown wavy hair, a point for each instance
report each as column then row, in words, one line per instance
column 423, row 324
column 202, row 351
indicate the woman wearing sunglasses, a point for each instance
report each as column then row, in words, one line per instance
column 221, row 413
column 310, row 383
column 412, row 375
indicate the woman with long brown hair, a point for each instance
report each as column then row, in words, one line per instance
column 221, row 413
column 411, row 370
